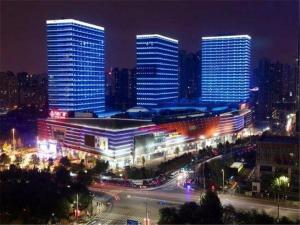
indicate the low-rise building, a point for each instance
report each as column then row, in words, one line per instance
column 279, row 155
column 127, row 141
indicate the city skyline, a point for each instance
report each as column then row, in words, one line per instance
column 273, row 27
column 149, row 112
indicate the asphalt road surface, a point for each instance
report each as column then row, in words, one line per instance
column 132, row 203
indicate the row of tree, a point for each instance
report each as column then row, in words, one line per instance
column 34, row 196
column 210, row 211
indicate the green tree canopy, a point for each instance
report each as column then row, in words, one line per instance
column 211, row 208
column 4, row 159
column 65, row 161
column 100, row 166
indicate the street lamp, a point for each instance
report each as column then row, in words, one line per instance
column 147, row 221
column 280, row 184
column 223, row 174
column 13, row 136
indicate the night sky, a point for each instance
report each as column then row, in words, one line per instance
column 273, row 26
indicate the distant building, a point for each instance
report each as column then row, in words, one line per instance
column 32, row 89
column 23, row 89
column 8, row 90
column 189, row 75
column 75, row 66
column 277, row 90
column 121, row 88
column 157, row 69
column 279, row 155
column 225, row 69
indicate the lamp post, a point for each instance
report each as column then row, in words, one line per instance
column 13, row 136
column 280, row 184
column 223, row 175
column 147, row 214
column 77, row 207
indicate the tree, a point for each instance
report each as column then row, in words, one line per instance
column 18, row 160
column 253, row 217
column 84, row 177
column 229, row 214
column 6, row 147
column 190, row 213
column 62, row 176
column 4, row 159
column 35, row 160
column 100, row 166
column 168, row 216
column 65, row 161
column 176, row 151
column 143, row 161
column 50, row 163
column 280, row 186
column 211, row 208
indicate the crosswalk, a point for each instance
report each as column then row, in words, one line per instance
column 113, row 218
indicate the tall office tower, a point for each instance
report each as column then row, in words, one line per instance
column 157, row 70
column 226, row 68
column 189, row 75
column 120, row 88
column 75, row 66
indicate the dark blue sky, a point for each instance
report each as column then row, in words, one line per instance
column 273, row 25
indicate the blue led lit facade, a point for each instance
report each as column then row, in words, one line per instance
column 157, row 70
column 75, row 66
column 226, row 68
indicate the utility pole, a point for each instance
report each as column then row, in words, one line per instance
column 77, row 207
column 278, row 207
column 203, row 177
column 223, row 173
column 147, row 214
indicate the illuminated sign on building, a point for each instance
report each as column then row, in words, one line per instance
column 58, row 114
column 101, row 143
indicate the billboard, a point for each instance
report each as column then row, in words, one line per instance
column 101, row 143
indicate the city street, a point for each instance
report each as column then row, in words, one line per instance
column 131, row 203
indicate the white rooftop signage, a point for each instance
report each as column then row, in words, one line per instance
column 225, row 37
column 74, row 21
column 156, row 36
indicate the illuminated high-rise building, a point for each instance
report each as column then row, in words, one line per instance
column 157, row 69
column 75, row 66
column 226, row 68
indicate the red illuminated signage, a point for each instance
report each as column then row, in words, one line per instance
column 58, row 114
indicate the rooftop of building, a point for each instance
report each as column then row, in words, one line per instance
column 142, row 36
column 107, row 123
column 63, row 21
column 280, row 139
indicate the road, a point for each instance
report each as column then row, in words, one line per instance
column 131, row 203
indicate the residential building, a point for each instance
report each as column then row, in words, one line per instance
column 189, row 75
column 121, row 88
column 279, row 155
